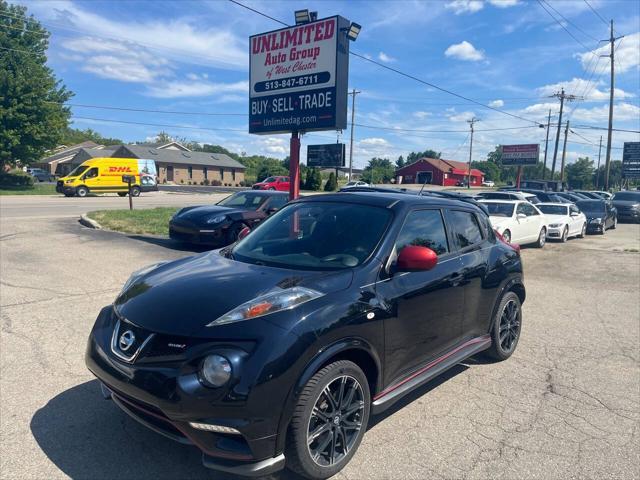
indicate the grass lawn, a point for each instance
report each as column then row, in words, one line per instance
column 153, row 221
column 37, row 189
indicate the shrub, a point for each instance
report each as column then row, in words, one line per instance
column 206, row 181
column 15, row 178
column 181, row 180
column 332, row 183
column 216, row 183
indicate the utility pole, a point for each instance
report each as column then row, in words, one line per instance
column 546, row 147
column 612, row 41
column 353, row 94
column 598, row 169
column 470, row 122
column 569, row 98
column 564, row 151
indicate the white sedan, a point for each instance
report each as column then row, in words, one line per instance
column 565, row 220
column 518, row 221
column 358, row 183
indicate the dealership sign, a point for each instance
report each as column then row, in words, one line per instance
column 527, row 154
column 631, row 160
column 298, row 78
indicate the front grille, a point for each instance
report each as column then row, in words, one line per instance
column 129, row 340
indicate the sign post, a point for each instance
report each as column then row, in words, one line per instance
column 298, row 82
column 129, row 179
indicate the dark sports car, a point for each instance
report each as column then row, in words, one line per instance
column 219, row 225
column 601, row 215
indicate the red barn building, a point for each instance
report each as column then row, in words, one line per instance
column 436, row 171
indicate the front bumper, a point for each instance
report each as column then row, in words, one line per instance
column 62, row 188
column 555, row 232
column 212, row 237
column 629, row 215
column 595, row 227
column 166, row 397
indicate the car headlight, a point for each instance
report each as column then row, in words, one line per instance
column 268, row 303
column 139, row 274
column 68, row 181
column 595, row 220
column 216, row 219
column 555, row 225
column 215, row 371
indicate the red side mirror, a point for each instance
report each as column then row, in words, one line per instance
column 243, row 233
column 414, row 258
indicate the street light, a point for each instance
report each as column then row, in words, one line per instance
column 353, row 31
column 305, row 16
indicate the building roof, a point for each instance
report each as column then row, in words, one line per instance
column 166, row 155
column 162, row 146
column 85, row 154
column 448, row 166
column 64, row 153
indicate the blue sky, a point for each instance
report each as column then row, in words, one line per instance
column 192, row 56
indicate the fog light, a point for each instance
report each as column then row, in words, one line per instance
column 214, row 428
column 215, row 371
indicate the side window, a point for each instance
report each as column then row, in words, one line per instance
column 92, row 173
column 465, row 228
column 278, row 201
column 530, row 210
column 574, row 209
column 423, row 228
column 521, row 209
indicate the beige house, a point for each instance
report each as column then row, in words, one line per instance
column 183, row 166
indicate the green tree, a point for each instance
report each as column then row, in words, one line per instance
column 496, row 155
column 32, row 115
column 580, row 173
column 615, row 174
column 400, row 162
column 314, row 179
column 379, row 170
column 413, row 156
column 491, row 170
column 332, row 183
column 73, row 136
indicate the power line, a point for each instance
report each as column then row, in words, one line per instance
column 570, row 22
column 565, row 28
column 187, row 127
column 144, row 110
column 596, row 12
column 260, row 13
column 394, row 129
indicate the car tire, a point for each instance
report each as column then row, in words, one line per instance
column 615, row 223
column 82, row 191
column 122, row 194
column 583, row 232
column 507, row 321
column 507, row 236
column 135, row 191
column 316, row 435
column 272, row 188
column 69, row 195
column 565, row 234
column 233, row 231
column 542, row 238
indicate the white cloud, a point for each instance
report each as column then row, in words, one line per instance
column 496, row 103
column 194, row 88
column 627, row 54
column 464, row 51
column 374, row 141
column 383, row 57
column 621, row 112
column 580, row 87
column 465, row 6
column 421, row 115
column 504, row 3
column 461, row 117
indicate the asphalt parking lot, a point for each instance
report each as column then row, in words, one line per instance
column 566, row 405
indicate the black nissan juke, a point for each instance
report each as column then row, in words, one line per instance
column 275, row 351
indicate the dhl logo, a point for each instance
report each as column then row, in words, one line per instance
column 120, row 170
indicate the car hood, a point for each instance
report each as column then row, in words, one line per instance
column 204, row 211
column 181, row 297
column 556, row 218
column 626, row 203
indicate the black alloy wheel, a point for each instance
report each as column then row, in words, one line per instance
column 507, row 325
column 135, row 191
column 233, row 232
column 329, row 421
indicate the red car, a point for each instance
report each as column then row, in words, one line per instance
column 273, row 183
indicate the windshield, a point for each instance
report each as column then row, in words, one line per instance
column 498, row 195
column 244, row 200
column 269, row 180
column 78, row 171
column 553, row 209
column 591, row 205
column 315, row 236
column 499, row 209
column 627, row 196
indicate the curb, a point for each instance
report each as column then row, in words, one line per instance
column 89, row 222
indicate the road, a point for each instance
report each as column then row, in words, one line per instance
column 566, row 405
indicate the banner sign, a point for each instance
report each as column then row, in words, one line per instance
column 298, row 78
column 527, row 154
column 331, row 155
column 631, row 160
